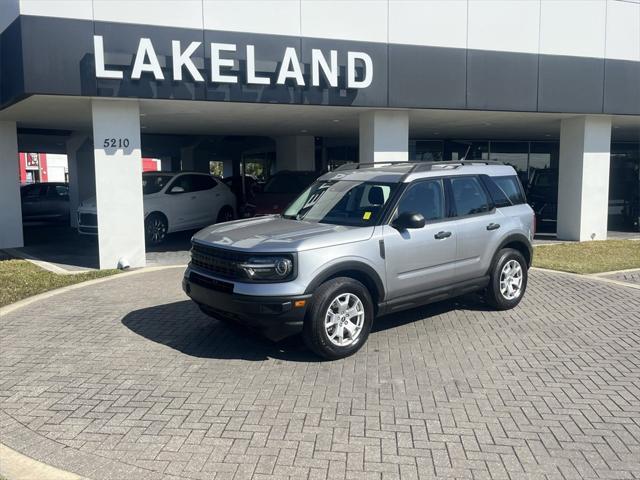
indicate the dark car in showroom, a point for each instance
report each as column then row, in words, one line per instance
column 279, row 191
column 45, row 202
column 542, row 195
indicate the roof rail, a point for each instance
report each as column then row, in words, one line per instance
column 419, row 165
column 359, row 165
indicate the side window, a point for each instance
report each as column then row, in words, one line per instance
column 202, row 182
column 425, row 197
column 469, row 196
column 183, row 181
column 499, row 198
column 511, row 187
column 62, row 190
column 32, row 192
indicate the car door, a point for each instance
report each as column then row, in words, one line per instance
column 423, row 259
column 207, row 200
column 478, row 224
column 57, row 201
column 181, row 204
column 32, row 205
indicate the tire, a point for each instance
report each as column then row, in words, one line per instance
column 503, row 294
column 325, row 340
column 155, row 228
column 225, row 214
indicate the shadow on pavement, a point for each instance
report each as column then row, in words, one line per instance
column 183, row 327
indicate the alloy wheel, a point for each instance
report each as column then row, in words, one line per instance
column 511, row 280
column 344, row 319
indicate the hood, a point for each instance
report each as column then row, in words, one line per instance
column 276, row 234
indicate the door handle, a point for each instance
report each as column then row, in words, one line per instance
column 493, row 226
column 441, row 235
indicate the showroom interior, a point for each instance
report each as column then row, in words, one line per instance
column 245, row 92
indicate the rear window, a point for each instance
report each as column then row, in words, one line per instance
column 511, row 188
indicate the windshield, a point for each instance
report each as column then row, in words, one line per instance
column 154, row 183
column 288, row 183
column 342, row 202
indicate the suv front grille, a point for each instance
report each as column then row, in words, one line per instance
column 218, row 261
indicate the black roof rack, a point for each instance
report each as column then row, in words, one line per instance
column 418, row 166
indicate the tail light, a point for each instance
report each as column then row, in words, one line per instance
column 533, row 225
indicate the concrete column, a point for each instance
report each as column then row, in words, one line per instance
column 118, row 163
column 384, row 136
column 82, row 184
column 296, row 153
column 227, row 167
column 583, row 181
column 11, row 210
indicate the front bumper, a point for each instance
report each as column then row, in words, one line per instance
column 276, row 317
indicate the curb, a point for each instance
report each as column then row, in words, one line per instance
column 26, row 301
column 16, row 466
column 593, row 276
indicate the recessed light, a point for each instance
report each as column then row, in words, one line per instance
column 143, row 114
column 487, row 123
column 436, row 133
column 547, row 134
column 303, row 131
column 335, row 120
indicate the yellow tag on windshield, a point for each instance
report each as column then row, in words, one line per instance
column 366, row 216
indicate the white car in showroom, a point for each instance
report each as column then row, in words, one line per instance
column 172, row 202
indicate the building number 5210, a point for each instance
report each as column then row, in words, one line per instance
column 115, row 143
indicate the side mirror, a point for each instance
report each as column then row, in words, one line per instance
column 176, row 189
column 407, row 220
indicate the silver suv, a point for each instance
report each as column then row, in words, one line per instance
column 363, row 241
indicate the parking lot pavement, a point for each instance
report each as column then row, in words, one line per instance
column 127, row 380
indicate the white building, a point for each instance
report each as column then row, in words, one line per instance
column 547, row 85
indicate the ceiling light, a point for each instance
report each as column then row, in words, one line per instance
column 335, row 120
column 303, row 131
column 143, row 114
column 436, row 133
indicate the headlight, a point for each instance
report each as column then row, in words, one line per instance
column 267, row 268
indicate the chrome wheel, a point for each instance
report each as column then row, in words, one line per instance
column 511, row 280
column 344, row 319
column 156, row 230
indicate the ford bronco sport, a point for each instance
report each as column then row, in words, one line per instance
column 363, row 241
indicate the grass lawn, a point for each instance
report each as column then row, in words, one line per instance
column 20, row 279
column 589, row 257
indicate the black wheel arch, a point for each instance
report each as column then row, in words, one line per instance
column 518, row 242
column 360, row 271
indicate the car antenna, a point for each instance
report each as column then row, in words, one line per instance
column 466, row 153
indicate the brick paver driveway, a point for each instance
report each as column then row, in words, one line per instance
column 127, row 380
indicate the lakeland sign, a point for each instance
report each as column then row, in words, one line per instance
column 223, row 61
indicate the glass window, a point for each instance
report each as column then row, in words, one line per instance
column 202, row 182
column 425, row 197
column 62, row 190
column 466, row 150
column 183, row 181
column 515, row 154
column 342, row 203
column 31, row 192
column 499, row 198
column 154, row 183
column 290, row 182
column 511, row 187
column 425, row 150
column 469, row 196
